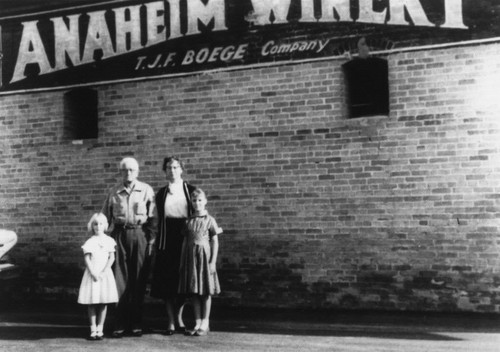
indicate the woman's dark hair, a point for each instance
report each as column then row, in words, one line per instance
column 169, row 159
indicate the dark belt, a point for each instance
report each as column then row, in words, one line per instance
column 127, row 226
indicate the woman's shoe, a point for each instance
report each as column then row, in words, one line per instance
column 180, row 328
column 169, row 332
column 188, row 332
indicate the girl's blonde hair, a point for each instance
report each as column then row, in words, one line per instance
column 96, row 217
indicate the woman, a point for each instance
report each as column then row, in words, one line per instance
column 174, row 206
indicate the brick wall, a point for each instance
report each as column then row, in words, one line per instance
column 396, row 212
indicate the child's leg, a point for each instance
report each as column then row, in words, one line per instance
column 92, row 319
column 101, row 318
column 180, row 310
column 206, row 306
column 169, row 305
column 197, row 311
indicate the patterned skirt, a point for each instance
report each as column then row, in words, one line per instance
column 195, row 275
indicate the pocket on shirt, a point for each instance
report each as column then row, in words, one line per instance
column 118, row 209
column 140, row 209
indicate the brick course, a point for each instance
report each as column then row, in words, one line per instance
column 385, row 212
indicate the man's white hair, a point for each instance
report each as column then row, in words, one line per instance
column 129, row 161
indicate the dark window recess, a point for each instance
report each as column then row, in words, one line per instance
column 367, row 86
column 80, row 114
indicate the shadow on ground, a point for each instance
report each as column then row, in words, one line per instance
column 50, row 320
column 336, row 331
column 29, row 332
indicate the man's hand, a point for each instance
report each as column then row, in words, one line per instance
column 149, row 249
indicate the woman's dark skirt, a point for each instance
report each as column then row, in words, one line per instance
column 165, row 281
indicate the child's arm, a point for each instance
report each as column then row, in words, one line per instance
column 111, row 260
column 214, row 250
column 88, row 264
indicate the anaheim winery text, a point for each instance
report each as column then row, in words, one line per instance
column 72, row 48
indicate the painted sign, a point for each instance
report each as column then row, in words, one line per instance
column 136, row 39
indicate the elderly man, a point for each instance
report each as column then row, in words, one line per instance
column 131, row 212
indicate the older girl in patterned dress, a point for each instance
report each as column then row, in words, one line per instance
column 98, row 287
column 198, row 277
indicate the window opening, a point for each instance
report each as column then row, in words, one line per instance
column 80, row 114
column 367, row 84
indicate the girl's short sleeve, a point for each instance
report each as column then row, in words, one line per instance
column 111, row 245
column 89, row 246
column 214, row 229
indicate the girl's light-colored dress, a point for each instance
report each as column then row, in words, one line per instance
column 104, row 290
column 195, row 276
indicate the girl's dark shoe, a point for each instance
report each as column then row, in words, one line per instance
column 169, row 332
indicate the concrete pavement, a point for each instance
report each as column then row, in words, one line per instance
column 55, row 326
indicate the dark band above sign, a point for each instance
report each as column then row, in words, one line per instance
column 134, row 39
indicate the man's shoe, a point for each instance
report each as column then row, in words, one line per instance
column 117, row 334
column 137, row 332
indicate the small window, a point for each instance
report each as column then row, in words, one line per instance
column 80, row 114
column 367, row 86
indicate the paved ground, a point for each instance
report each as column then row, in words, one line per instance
column 53, row 326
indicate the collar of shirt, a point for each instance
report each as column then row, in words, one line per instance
column 199, row 214
column 134, row 186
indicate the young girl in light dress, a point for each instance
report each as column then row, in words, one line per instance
column 98, row 287
column 198, row 277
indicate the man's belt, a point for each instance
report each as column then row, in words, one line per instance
column 127, row 226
